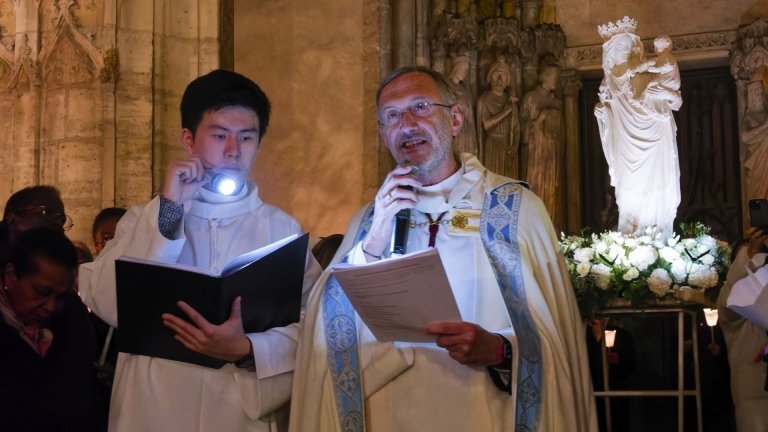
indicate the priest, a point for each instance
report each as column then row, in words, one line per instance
column 517, row 361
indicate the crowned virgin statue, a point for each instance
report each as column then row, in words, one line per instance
column 637, row 129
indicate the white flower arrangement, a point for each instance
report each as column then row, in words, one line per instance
column 645, row 268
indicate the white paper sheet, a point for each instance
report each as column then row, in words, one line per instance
column 749, row 297
column 397, row 298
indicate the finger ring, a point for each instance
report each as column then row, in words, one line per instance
column 389, row 198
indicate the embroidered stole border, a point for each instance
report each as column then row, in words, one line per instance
column 341, row 343
column 498, row 231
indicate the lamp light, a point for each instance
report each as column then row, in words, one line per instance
column 223, row 184
column 711, row 316
column 610, row 338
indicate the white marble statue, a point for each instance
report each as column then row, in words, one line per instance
column 637, row 129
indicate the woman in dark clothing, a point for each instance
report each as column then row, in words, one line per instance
column 47, row 379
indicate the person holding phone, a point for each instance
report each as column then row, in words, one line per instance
column 758, row 213
column 742, row 336
column 224, row 117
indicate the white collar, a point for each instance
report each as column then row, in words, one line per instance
column 447, row 194
column 210, row 205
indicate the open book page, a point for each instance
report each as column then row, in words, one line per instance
column 749, row 297
column 230, row 267
column 236, row 263
column 398, row 298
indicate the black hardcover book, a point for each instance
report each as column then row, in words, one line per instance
column 269, row 280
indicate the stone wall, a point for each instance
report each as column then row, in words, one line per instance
column 318, row 63
column 89, row 94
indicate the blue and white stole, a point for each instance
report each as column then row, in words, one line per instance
column 498, row 231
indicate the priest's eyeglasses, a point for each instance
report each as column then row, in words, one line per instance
column 392, row 117
column 59, row 219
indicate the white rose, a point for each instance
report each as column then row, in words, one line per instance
column 702, row 248
column 601, row 274
column 645, row 239
column 600, row 247
column 707, row 259
column 583, row 255
column 631, row 242
column 631, row 274
column 643, row 256
column 689, row 243
column 615, row 236
column 708, row 241
column 582, row 268
column 702, row 276
column 615, row 253
column 672, row 241
column 669, row 254
column 659, row 282
column 679, row 270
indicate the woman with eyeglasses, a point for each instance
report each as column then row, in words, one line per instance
column 31, row 207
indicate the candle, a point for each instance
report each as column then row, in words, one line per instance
column 711, row 316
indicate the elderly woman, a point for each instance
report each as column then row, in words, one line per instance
column 47, row 380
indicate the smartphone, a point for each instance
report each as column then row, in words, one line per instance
column 758, row 213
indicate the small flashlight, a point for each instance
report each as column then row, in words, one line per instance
column 223, row 184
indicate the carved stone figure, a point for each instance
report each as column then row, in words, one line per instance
column 748, row 66
column 638, row 132
column 466, row 141
column 498, row 128
column 542, row 115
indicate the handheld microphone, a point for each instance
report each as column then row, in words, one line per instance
column 400, row 233
column 402, row 222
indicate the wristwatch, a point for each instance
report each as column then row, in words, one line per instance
column 504, row 354
column 247, row 362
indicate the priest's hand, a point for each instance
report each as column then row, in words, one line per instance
column 226, row 341
column 390, row 199
column 467, row 343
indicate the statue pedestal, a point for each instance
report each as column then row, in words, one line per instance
column 681, row 392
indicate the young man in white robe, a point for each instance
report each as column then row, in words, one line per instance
column 518, row 361
column 224, row 118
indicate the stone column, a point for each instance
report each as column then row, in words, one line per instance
column 422, row 56
column 529, row 13
column 572, row 172
column 403, row 33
